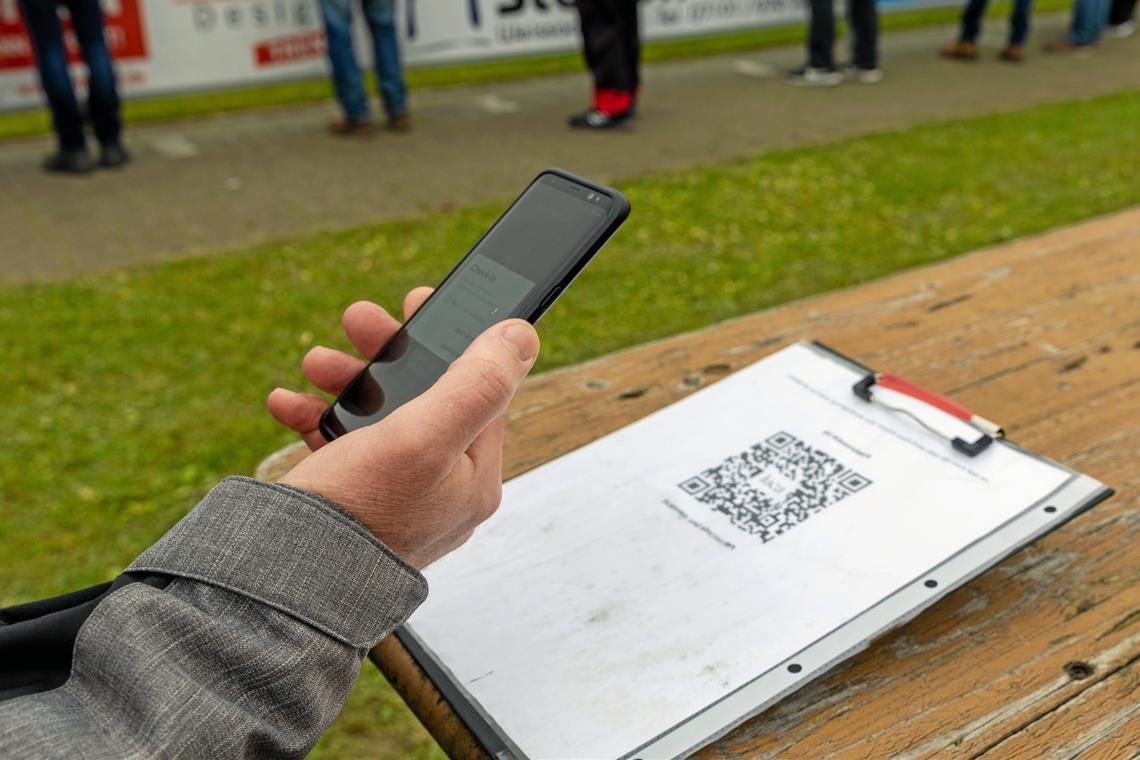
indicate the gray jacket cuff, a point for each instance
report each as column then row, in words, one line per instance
column 296, row 552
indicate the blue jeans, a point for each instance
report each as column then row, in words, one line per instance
column 1088, row 21
column 1018, row 21
column 381, row 18
column 42, row 20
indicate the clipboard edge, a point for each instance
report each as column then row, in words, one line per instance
column 490, row 736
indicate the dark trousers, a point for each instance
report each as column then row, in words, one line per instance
column 1018, row 20
column 612, row 46
column 1121, row 12
column 863, row 25
column 42, row 20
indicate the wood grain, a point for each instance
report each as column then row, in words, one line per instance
column 1036, row 658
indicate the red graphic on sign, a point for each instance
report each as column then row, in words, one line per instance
column 124, row 33
column 294, row 47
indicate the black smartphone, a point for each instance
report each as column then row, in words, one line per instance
column 528, row 257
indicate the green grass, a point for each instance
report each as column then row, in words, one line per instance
column 128, row 394
column 167, row 107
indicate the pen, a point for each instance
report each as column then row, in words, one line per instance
column 895, row 383
column 989, row 429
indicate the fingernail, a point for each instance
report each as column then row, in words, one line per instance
column 522, row 340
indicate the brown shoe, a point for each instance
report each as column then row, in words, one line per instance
column 1012, row 53
column 961, row 51
column 401, row 122
column 1064, row 47
column 350, row 128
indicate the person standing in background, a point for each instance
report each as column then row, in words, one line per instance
column 966, row 48
column 820, row 70
column 1085, row 27
column 611, row 43
column 380, row 15
column 1120, row 23
column 41, row 17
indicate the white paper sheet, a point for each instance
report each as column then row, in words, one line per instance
column 611, row 597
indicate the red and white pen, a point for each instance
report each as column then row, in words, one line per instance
column 989, row 429
column 895, row 383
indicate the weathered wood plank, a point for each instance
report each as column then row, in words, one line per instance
column 425, row 701
column 1102, row 722
column 1042, row 334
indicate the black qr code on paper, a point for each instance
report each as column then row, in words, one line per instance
column 775, row 485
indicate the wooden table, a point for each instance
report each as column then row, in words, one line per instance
column 1040, row 657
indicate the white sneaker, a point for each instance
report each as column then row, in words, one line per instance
column 810, row 76
column 863, row 76
column 1120, row 31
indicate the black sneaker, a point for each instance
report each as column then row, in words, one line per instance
column 69, row 162
column 113, row 156
column 595, row 119
column 812, row 76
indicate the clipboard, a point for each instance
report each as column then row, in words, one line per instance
column 436, row 642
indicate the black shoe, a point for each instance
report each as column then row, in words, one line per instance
column 113, row 156
column 69, row 162
column 812, row 76
column 595, row 119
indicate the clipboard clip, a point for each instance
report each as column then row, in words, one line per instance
column 989, row 430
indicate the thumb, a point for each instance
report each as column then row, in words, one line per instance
column 476, row 388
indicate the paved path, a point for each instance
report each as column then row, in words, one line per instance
column 233, row 179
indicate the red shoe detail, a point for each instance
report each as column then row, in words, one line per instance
column 613, row 102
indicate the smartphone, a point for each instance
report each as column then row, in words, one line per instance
column 520, row 266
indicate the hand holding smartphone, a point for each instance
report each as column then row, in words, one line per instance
column 520, row 266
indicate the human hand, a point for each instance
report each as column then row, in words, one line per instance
column 423, row 478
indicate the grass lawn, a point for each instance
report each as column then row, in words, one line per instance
column 165, row 107
column 128, row 394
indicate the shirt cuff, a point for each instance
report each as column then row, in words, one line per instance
column 294, row 551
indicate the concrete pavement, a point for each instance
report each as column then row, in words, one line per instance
column 228, row 180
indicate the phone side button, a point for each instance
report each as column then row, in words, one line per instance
column 550, row 298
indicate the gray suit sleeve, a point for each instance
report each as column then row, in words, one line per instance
column 249, row 651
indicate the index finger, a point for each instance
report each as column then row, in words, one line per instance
column 368, row 327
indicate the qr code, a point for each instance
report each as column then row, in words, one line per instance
column 774, row 486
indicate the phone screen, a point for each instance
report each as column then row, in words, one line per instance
column 515, row 270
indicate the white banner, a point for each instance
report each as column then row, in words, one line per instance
column 176, row 45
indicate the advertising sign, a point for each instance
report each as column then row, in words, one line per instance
column 177, row 45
